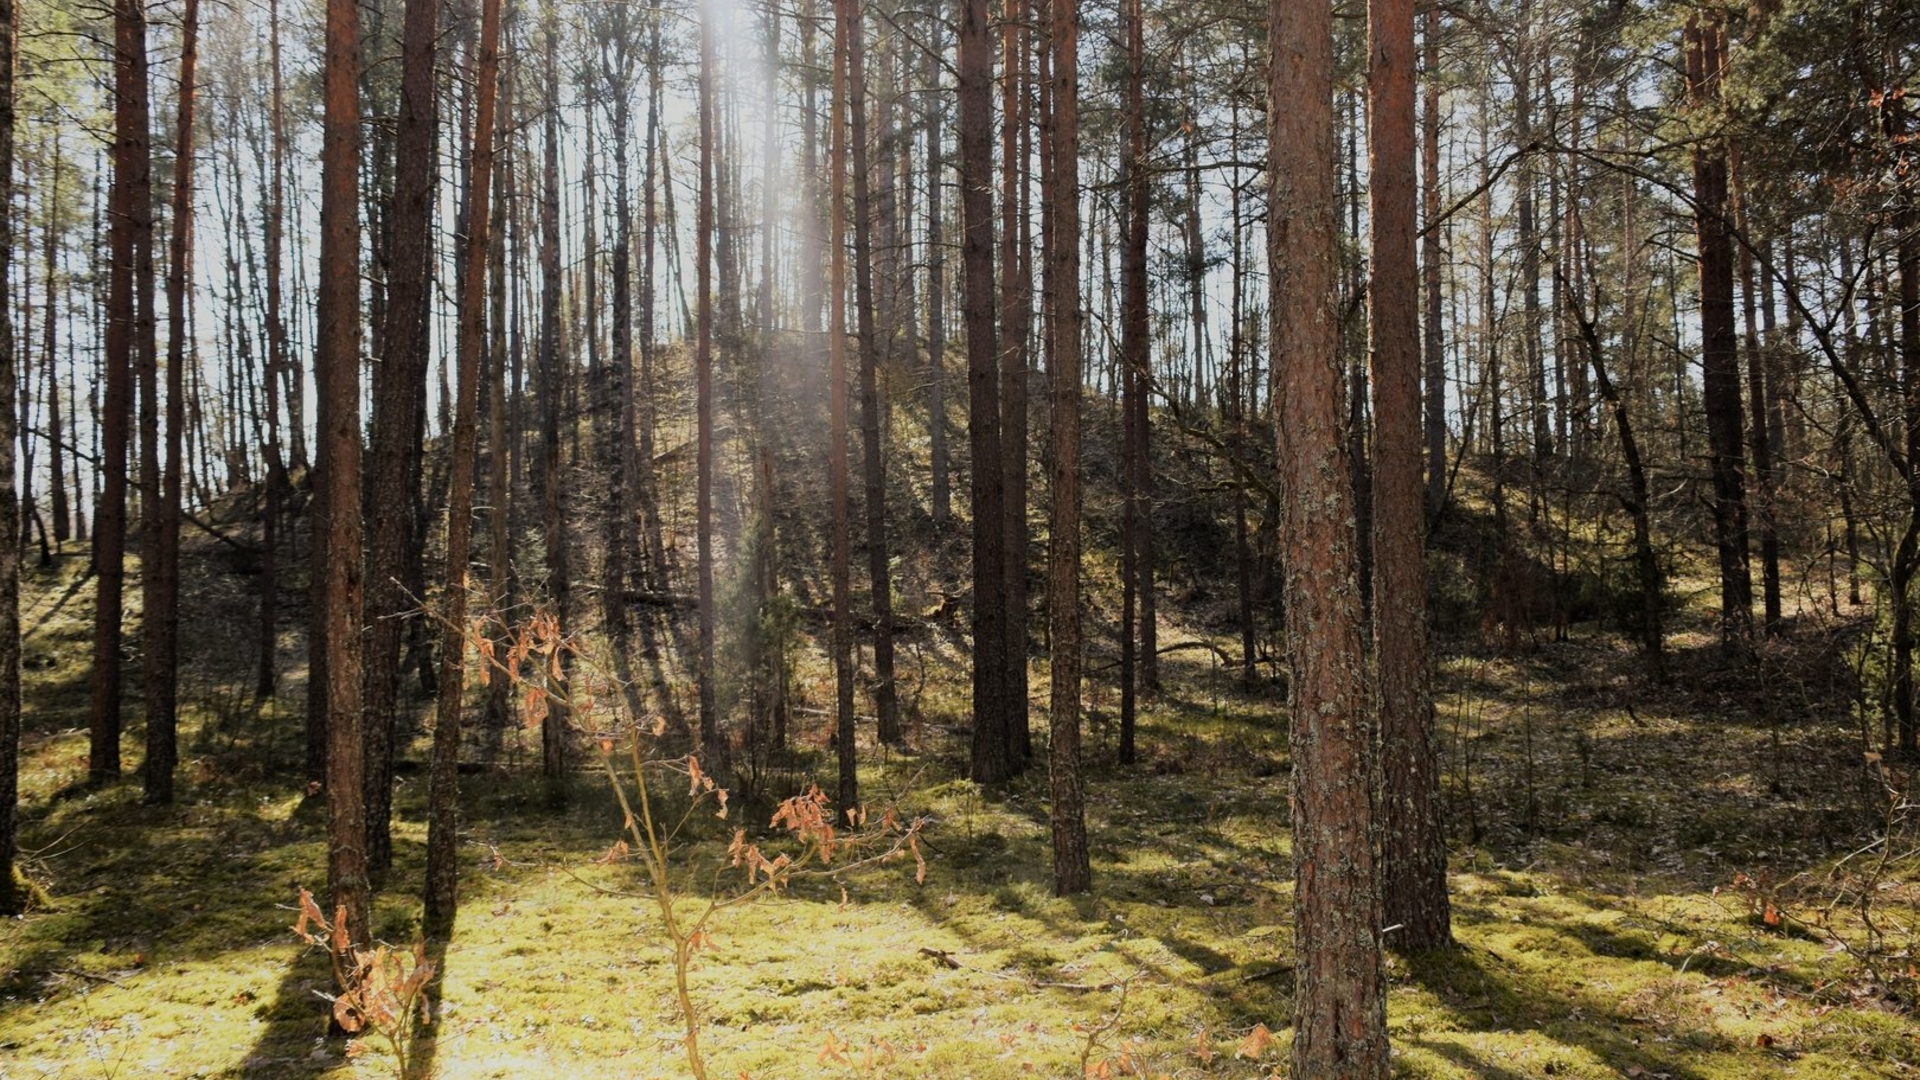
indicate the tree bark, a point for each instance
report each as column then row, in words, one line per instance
column 1135, row 341
column 1016, row 330
column 553, row 492
column 846, row 23
column 619, row 424
column 1071, row 872
column 942, row 486
column 276, row 365
column 1720, row 385
column 1431, row 268
column 56, row 432
column 1414, row 860
column 440, row 896
column 160, row 621
column 990, row 762
column 129, row 231
column 1759, row 442
column 712, row 743
column 1339, row 998
column 337, row 561
column 502, row 346
column 399, row 389
column 13, row 898
column 886, row 703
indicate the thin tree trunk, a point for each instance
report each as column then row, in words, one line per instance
column 399, row 387
column 1016, row 330
column 885, row 702
column 812, row 242
column 337, row 565
column 1529, row 238
column 647, row 414
column 1431, row 268
column 130, row 229
column 713, row 744
column 811, row 248
column 1646, row 561
column 1720, row 384
column 1240, row 407
column 494, row 716
column 160, row 621
column 444, row 779
column 1071, row 872
column 1906, row 560
column 942, row 493
column 1414, row 859
column 1759, row 442
column 276, row 365
column 56, row 433
column 1340, row 986
column 619, row 453
column 846, row 23
column 1135, row 365
column 13, row 898
column 553, row 725
column 767, row 723
column 990, row 762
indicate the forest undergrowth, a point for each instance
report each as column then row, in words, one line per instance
column 1708, row 880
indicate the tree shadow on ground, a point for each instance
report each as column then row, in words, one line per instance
column 294, row 1042
column 1488, row 994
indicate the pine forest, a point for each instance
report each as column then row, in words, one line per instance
column 979, row 539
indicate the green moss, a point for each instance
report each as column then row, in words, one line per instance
column 1601, row 938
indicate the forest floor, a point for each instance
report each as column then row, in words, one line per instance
column 1706, row 880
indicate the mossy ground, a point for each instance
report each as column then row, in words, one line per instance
column 1598, row 822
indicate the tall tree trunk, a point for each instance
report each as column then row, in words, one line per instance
column 619, row 425
column 444, row 779
column 992, row 725
column 1240, row 406
column 56, row 433
column 646, row 415
column 500, row 350
column 767, row 724
column 399, row 388
column 886, row 704
column 24, row 365
column 712, row 742
column 1358, row 394
column 130, row 230
column 276, row 366
column 160, row 621
column 13, row 898
column 1430, row 267
column 1016, row 330
column 846, row 24
column 1492, row 384
column 553, row 488
column 1340, row 994
column 1906, row 559
column 1414, row 859
column 1759, row 442
column 1071, row 872
column 1529, row 239
column 1720, row 384
column 337, row 557
column 1135, row 341
column 813, row 243
column 942, row 493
